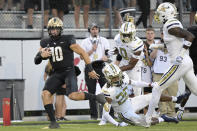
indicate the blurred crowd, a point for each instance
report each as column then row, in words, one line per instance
column 59, row 8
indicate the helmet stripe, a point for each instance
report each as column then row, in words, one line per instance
column 113, row 68
column 126, row 27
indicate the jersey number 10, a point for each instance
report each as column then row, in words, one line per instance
column 57, row 54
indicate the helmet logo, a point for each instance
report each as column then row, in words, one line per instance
column 54, row 19
column 162, row 9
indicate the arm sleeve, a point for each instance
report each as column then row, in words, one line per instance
column 139, row 84
column 138, row 46
column 38, row 58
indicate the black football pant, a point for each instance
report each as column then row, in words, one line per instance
column 91, row 84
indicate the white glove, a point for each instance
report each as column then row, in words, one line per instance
column 153, row 84
column 156, row 46
column 178, row 60
column 112, row 52
column 153, row 46
column 123, row 124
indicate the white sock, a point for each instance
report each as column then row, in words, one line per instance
column 160, row 119
column 181, row 108
column 174, row 99
column 110, row 119
column 156, row 93
column 106, row 116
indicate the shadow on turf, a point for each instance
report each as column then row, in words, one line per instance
column 47, row 122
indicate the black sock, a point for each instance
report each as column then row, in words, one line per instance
column 50, row 111
column 89, row 96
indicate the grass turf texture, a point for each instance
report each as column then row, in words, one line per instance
column 92, row 126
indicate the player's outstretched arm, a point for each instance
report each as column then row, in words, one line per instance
column 139, row 84
column 77, row 49
column 133, row 61
column 181, row 33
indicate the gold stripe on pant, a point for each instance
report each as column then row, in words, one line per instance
column 167, row 108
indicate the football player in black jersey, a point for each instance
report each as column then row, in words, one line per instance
column 59, row 49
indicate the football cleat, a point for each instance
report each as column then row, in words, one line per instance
column 54, row 125
column 61, row 119
column 169, row 119
column 182, row 97
column 123, row 124
column 180, row 114
column 102, row 122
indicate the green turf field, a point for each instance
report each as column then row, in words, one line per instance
column 92, row 126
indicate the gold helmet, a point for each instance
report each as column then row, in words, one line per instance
column 55, row 23
column 195, row 18
column 113, row 74
column 127, row 32
column 165, row 11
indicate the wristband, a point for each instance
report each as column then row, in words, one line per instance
column 89, row 67
column 118, row 57
column 106, row 52
column 38, row 58
column 187, row 43
column 136, row 56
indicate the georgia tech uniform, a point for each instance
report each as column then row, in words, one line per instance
column 127, row 51
column 176, row 71
column 123, row 105
column 185, row 69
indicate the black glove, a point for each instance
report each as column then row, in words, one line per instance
column 77, row 71
column 98, row 64
column 118, row 57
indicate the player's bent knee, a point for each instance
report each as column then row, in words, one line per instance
column 72, row 96
column 195, row 92
column 76, row 96
column 46, row 94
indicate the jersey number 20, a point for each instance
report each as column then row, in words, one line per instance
column 57, row 54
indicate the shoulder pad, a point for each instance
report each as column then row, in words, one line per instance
column 172, row 23
column 117, row 38
column 137, row 45
column 105, row 90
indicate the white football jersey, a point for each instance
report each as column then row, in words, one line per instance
column 162, row 62
column 174, row 44
column 119, row 95
column 146, row 74
column 127, row 50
